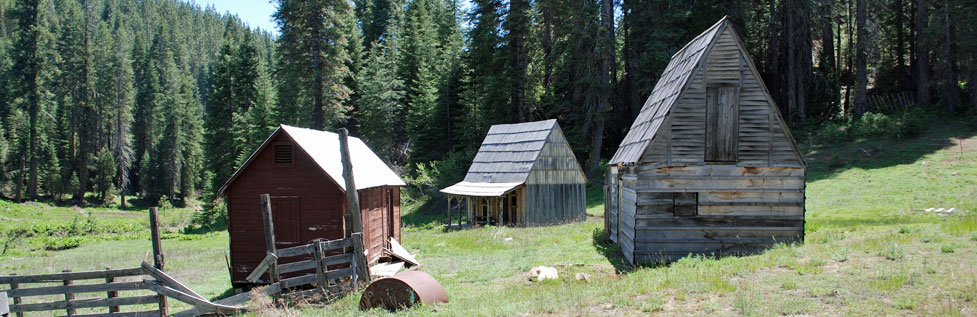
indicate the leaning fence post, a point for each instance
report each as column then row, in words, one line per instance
column 68, row 296
column 112, row 294
column 158, row 260
column 362, row 270
column 269, row 236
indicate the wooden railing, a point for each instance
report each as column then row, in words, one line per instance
column 33, row 293
column 336, row 280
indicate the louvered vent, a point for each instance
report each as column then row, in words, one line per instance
column 283, row 154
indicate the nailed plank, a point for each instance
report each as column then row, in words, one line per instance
column 193, row 299
column 304, row 249
column 167, row 280
column 151, row 313
column 71, row 289
column 85, row 303
column 262, row 267
column 296, row 266
column 58, row 277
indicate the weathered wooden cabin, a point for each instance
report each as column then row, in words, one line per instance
column 708, row 166
column 523, row 174
column 302, row 171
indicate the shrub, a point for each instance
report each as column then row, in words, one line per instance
column 946, row 248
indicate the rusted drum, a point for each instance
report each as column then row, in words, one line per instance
column 403, row 291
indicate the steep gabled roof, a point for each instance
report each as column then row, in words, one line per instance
column 505, row 159
column 323, row 148
column 665, row 94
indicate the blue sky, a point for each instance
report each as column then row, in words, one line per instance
column 256, row 13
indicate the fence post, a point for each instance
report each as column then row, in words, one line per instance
column 320, row 274
column 68, row 297
column 362, row 270
column 158, row 260
column 14, row 286
column 269, row 236
column 112, row 294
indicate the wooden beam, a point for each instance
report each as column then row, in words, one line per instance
column 158, row 261
column 269, row 235
column 112, row 294
column 13, row 286
column 86, row 303
column 111, row 288
column 362, row 267
column 58, row 277
column 164, row 278
column 320, row 274
column 68, row 297
column 353, row 220
column 262, row 268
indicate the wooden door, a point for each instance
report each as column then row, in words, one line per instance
column 286, row 216
column 722, row 118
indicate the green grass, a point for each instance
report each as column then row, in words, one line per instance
column 869, row 249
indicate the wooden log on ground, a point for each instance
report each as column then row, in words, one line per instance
column 201, row 304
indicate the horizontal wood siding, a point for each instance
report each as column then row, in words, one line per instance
column 739, row 210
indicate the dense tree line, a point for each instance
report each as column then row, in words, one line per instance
column 161, row 98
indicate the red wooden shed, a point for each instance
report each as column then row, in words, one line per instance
column 302, row 171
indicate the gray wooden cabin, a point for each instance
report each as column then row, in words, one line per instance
column 708, row 166
column 523, row 174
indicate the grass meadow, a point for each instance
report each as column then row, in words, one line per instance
column 870, row 249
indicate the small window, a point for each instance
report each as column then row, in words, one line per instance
column 685, row 204
column 284, row 155
column 722, row 119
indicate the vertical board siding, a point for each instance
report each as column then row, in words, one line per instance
column 321, row 204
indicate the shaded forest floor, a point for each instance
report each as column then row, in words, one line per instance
column 870, row 249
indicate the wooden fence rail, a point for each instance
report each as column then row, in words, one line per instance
column 156, row 283
column 319, row 261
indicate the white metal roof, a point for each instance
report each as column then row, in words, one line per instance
column 480, row 189
column 323, row 147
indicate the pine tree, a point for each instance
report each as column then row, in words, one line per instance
column 220, row 145
column 483, row 94
column 121, row 97
column 382, row 98
column 420, row 58
column 313, row 59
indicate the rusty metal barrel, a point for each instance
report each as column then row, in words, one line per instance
column 403, row 291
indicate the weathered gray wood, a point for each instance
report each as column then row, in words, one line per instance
column 293, row 282
column 297, row 266
column 112, row 293
column 338, row 259
column 86, row 303
column 4, row 306
column 151, row 313
column 68, row 297
column 263, row 266
column 304, row 249
column 74, row 289
column 353, row 219
column 58, row 277
column 319, row 266
column 362, row 267
column 14, row 286
column 194, row 300
column 167, row 280
column 269, row 225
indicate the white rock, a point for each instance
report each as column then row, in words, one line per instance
column 543, row 273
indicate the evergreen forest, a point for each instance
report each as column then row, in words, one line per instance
column 162, row 100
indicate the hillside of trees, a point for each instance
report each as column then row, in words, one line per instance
column 164, row 99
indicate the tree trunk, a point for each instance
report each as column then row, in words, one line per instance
column 827, row 37
column 849, row 60
column 519, row 26
column 900, row 42
column 861, row 72
column 922, row 54
column 608, row 82
column 951, row 89
column 318, row 117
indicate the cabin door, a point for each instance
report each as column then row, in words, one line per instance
column 286, row 219
column 389, row 232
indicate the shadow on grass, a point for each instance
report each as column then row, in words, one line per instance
column 611, row 251
column 826, row 161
